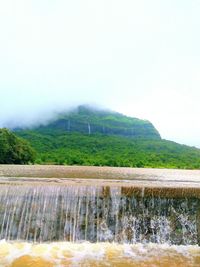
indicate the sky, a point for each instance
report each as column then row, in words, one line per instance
column 140, row 58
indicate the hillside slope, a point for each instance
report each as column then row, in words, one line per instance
column 101, row 150
column 81, row 144
column 87, row 120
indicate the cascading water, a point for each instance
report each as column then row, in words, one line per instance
column 97, row 214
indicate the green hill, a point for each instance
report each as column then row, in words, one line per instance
column 87, row 136
column 87, row 120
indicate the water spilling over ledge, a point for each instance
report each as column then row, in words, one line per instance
column 53, row 216
column 97, row 214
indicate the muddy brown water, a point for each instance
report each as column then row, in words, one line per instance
column 163, row 182
column 180, row 185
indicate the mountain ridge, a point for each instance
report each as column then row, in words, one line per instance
column 88, row 120
column 55, row 144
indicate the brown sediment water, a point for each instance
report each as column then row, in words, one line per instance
column 56, row 171
column 158, row 181
column 91, row 216
column 65, row 254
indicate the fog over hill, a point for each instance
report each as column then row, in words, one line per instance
column 140, row 58
column 89, row 120
column 98, row 137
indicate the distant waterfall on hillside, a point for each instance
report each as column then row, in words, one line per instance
column 89, row 128
column 76, row 213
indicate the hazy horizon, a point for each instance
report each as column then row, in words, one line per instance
column 139, row 58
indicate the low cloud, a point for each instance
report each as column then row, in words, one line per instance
column 128, row 56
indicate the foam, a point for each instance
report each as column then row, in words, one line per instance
column 63, row 254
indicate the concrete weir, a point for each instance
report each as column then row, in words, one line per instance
column 97, row 204
column 160, row 182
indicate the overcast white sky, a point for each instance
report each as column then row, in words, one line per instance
column 141, row 58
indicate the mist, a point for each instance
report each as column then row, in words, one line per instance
column 39, row 107
column 140, row 58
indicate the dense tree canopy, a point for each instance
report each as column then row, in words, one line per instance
column 102, row 138
column 13, row 149
column 103, row 150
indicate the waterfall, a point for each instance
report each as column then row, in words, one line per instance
column 75, row 213
column 89, row 128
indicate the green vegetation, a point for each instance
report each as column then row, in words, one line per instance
column 14, row 150
column 91, row 121
column 103, row 138
column 101, row 150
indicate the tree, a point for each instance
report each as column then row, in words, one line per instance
column 14, row 150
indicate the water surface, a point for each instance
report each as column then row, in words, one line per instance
column 65, row 254
column 90, row 216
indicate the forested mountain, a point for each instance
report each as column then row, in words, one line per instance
column 87, row 120
column 87, row 136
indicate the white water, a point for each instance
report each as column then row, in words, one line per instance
column 42, row 213
column 67, row 254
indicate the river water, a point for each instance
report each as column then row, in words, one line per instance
column 18, row 254
column 63, row 222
